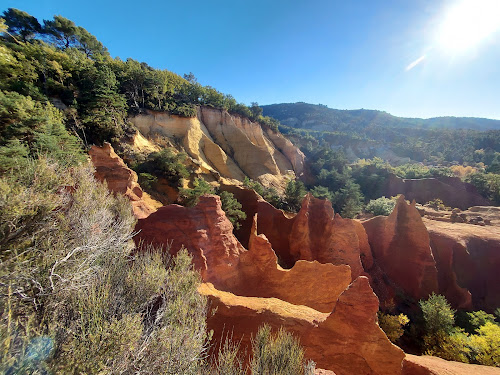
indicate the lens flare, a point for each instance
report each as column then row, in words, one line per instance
column 468, row 23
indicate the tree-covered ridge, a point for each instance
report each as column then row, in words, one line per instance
column 56, row 60
column 438, row 141
column 306, row 115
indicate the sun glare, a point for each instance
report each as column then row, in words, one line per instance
column 468, row 23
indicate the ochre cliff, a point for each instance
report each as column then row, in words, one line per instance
column 451, row 190
column 347, row 341
column 121, row 179
column 228, row 145
column 468, row 260
column 401, row 249
column 417, row 256
column 315, row 300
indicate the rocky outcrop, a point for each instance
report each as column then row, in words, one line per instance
column 418, row 256
column 229, row 145
column 203, row 230
column 121, row 179
column 318, row 234
column 206, row 233
column 451, row 190
column 401, row 249
column 307, row 283
column 468, row 260
column 334, row 319
column 346, row 341
column 427, row 365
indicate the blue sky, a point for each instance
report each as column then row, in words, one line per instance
column 346, row 54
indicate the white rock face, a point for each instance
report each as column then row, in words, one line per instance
column 231, row 145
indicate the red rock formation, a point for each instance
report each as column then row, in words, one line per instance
column 347, row 341
column 319, row 235
column 204, row 230
column 451, row 190
column 306, row 283
column 468, row 260
column 401, row 249
column 336, row 322
column 427, row 365
column 120, row 179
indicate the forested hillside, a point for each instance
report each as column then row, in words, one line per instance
column 435, row 140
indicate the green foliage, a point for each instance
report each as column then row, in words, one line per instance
column 438, row 314
column 270, row 195
column 485, row 346
column 452, row 346
column 279, row 354
column 322, row 192
column 21, row 23
column 371, row 176
column 381, row 206
column 165, row 163
column 294, row 194
column 191, row 197
column 392, row 325
column 472, row 321
column 230, row 205
column 487, row 184
column 228, row 360
column 437, row 204
column 73, row 299
column 29, row 128
column 417, row 171
column 348, row 200
column 232, row 208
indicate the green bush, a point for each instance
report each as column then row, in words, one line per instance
column 73, row 298
column 392, row 325
column 191, row 197
column 232, row 208
column 294, row 194
column 270, row 195
column 438, row 314
column 279, row 354
column 381, row 206
column 165, row 163
column 485, row 346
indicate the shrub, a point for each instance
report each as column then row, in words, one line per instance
column 73, row 298
column 381, row 206
column 322, row 192
column 165, row 163
column 270, row 195
column 436, row 204
column 485, row 346
column 191, row 197
column 294, row 193
column 232, row 208
column 279, row 354
column 438, row 314
column 392, row 325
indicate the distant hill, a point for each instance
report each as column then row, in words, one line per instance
column 320, row 117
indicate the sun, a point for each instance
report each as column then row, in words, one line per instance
column 467, row 24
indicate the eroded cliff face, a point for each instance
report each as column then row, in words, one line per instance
column 333, row 315
column 401, row 249
column 468, row 260
column 451, row 190
column 418, row 256
column 121, row 179
column 227, row 145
